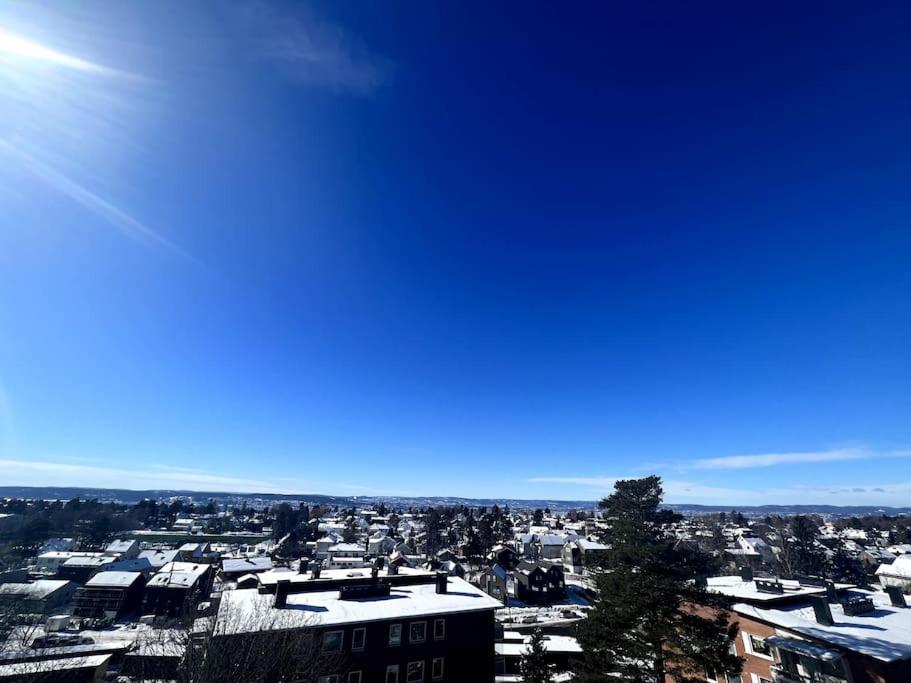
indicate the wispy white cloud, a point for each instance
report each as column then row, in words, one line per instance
column 313, row 51
column 594, row 482
column 675, row 491
column 91, row 472
column 732, row 462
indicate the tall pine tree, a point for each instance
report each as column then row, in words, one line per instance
column 534, row 666
column 642, row 628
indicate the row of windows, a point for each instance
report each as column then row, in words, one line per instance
column 414, row 673
column 334, row 641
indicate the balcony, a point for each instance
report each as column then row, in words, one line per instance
column 780, row 675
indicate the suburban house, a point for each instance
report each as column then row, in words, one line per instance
column 580, row 553
column 898, row 573
column 346, row 556
column 539, row 583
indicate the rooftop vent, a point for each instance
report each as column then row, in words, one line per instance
column 746, row 573
column 769, row 586
column 822, row 611
column 378, row 589
column 896, row 596
column 858, row 605
column 282, row 588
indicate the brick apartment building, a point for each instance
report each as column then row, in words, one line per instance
column 793, row 632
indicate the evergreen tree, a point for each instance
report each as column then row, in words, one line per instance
column 349, row 534
column 847, row 569
column 534, row 666
column 641, row 629
column 807, row 555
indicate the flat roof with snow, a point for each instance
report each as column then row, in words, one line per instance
column 737, row 588
column 244, row 611
column 884, row 633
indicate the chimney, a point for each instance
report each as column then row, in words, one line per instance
column 282, row 588
column 896, row 596
column 821, row 608
column 831, row 595
column 746, row 573
column 380, row 562
column 302, row 567
column 317, row 568
column 442, row 583
column 374, row 571
column 393, row 570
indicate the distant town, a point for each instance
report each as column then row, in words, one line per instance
column 184, row 586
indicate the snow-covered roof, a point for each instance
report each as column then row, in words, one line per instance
column 900, row 568
column 82, row 561
column 178, row 575
column 515, row 644
column 159, row 558
column 585, row 544
column 243, row 611
column 36, row 590
column 113, row 579
column 737, row 588
column 347, row 548
column 890, row 626
column 28, row 670
column 246, row 565
column 119, row 546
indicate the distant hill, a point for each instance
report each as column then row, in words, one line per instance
column 129, row 496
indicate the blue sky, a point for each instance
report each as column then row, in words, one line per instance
column 457, row 248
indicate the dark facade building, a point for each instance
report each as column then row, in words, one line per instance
column 405, row 628
column 539, row 584
column 110, row 594
column 177, row 588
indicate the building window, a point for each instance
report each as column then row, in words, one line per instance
column 417, row 632
column 333, row 640
column 436, row 672
column 395, row 635
column 358, row 638
column 757, row 646
column 439, row 629
column 392, row 673
column 415, row 672
column 354, row 677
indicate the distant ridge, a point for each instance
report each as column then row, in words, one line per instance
column 129, row 496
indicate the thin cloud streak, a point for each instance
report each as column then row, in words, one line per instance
column 62, row 183
column 675, row 490
column 313, row 51
column 79, row 472
column 734, row 462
